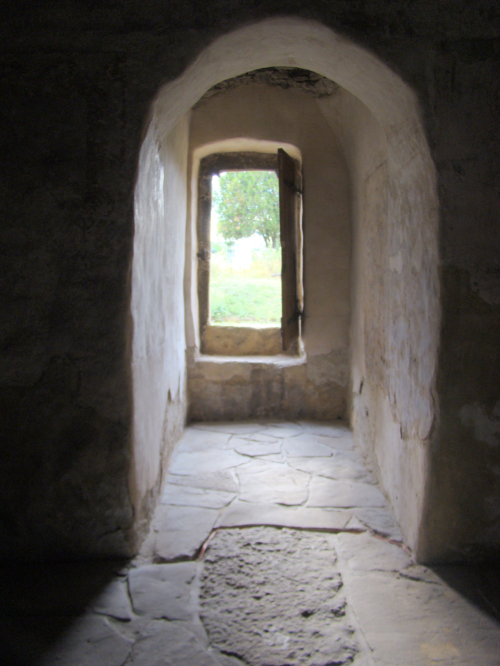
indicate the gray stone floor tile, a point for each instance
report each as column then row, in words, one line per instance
column 90, row 642
column 258, row 437
column 201, row 440
column 306, row 446
column 272, row 482
column 241, row 514
column 326, row 429
column 282, row 432
column 114, row 601
column 223, row 480
column 162, row 591
column 173, row 646
column 380, row 520
column 182, row 531
column 332, row 468
column 346, row 494
column 233, row 428
column 252, row 448
column 364, row 552
column 205, row 462
column 204, row 498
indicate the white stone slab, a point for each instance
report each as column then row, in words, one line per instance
column 305, row 445
column 199, row 440
column 181, row 531
column 221, row 480
column 241, row 514
column 162, row 591
column 325, row 428
column 233, row 428
column 332, row 468
column 329, row 493
column 380, row 520
column 114, row 601
column 205, row 462
column 282, row 432
column 274, row 483
column 258, row 437
column 251, row 448
column 188, row 496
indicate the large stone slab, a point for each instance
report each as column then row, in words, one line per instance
column 332, row 468
column 346, row 494
column 241, row 514
column 200, row 440
column 114, row 601
column 90, row 642
column 223, row 480
column 364, row 552
column 282, row 431
column 181, row 531
column 306, row 446
column 259, row 437
column 380, row 520
column 272, row 482
column 187, row 496
column 283, row 591
column 230, row 427
column 256, row 448
column 325, row 428
column 162, row 591
column 172, row 646
column 205, row 462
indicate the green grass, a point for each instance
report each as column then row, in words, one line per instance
column 245, row 300
column 250, row 296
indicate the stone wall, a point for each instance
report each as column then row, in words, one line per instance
column 77, row 82
column 261, row 113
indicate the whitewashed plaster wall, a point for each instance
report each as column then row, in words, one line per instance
column 395, row 320
column 159, row 367
column 270, row 114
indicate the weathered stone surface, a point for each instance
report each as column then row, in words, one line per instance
column 172, row 646
column 187, row 496
column 328, row 492
column 332, row 468
column 233, row 428
column 326, row 429
column 90, row 642
column 223, row 480
column 114, row 601
column 258, row 437
column 255, row 448
column 261, row 604
column 305, row 445
column 240, row 514
column 363, row 552
column 194, row 439
column 205, row 462
column 182, row 531
column 380, row 520
column 161, row 591
column 282, row 431
column 271, row 482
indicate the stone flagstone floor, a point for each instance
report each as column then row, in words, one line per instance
column 273, row 546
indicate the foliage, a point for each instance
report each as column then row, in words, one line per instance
column 247, row 203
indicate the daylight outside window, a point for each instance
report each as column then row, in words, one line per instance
column 245, row 274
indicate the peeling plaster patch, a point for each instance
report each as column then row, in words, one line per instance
column 486, row 429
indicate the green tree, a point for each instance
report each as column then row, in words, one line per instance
column 248, row 203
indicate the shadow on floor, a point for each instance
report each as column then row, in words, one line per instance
column 40, row 602
column 478, row 583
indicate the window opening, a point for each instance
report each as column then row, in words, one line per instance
column 245, row 270
column 249, row 235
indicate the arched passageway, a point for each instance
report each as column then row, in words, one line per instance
column 394, row 286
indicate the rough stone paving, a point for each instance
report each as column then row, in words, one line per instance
column 273, row 596
column 273, row 546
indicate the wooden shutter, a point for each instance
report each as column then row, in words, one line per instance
column 290, row 219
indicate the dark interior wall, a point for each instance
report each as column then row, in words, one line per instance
column 77, row 81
